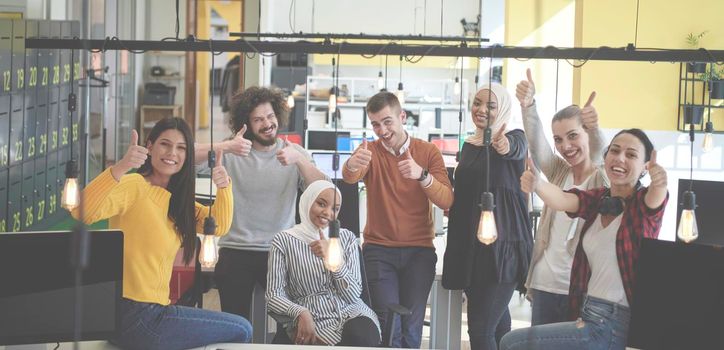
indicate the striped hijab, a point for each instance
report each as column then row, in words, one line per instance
column 306, row 231
column 504, row 110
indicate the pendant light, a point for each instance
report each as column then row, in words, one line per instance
column 400, row 93
column 487, row 229
column 333, row 257
column 332, row 104
column 70, row 199
column 708, row 143
column 209, row 253
column 688, row 230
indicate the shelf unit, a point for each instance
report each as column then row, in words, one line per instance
column 150, row 114
column 174, row 64
column 694, row 95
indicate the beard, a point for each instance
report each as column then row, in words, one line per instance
column 263, row 141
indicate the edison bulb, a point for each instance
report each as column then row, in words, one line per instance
column 290, row 101
column 209, row 254
column 71, row 194
column 487, row 230
column 687, row 231
column 708, row 143
column 334, row 259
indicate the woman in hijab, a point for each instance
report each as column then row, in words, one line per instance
column 319, row 306
column 489, row 272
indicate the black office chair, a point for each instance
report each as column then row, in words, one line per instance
column 281, row 336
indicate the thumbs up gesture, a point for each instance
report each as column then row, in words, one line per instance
column 589, row 116
column 525, row 90
column 320, row 246
column 361, row 157
column 135, row 157
column 531, row 176
column 500, row 141
column 238, row 145
column 288, row 155
column 656, row 172
column 218, row 174
column 409, row 168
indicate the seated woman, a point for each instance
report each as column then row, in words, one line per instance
column 156, row 211
column 602, row 275
column 321, row 307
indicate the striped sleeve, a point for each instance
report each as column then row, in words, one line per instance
column 277, row 300
column 347, row 280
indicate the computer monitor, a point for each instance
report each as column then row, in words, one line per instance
column 678, row 298
column 709, row 218
column 37, row 294
column 328, row 140
column 324, row 162
column 447, row 143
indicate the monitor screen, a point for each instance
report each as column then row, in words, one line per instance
column 709, row 220
column 324, row 162
column 678, row 299
column 37, row 295
column 447, row 143
column 328, row 140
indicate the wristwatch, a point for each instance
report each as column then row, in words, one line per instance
column 423, row 176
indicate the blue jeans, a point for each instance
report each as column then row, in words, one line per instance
column 152, row 326
column 603, row 325
column 400, row 275
column 488, row 314
column 548, row 307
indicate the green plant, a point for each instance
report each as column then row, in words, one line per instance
column 712, row 73
column 693, row 39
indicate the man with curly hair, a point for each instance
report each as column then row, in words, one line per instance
column 267, row 173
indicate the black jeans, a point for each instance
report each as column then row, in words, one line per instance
column 236, row 274
column 360, row 331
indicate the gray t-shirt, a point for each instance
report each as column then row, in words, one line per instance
column 265, row 197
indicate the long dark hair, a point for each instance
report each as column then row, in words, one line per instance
column 182, row 185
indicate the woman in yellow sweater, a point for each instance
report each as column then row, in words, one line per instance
column 156, row 210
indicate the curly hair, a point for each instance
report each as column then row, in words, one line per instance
column 244, row 102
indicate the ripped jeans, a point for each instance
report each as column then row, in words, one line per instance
column 603, row 325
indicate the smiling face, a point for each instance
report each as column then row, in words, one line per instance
column 321, row 212
column 387, row 124
column 625, row 160
column 168, row 153
column 485, row 108
column 571, row 140
column 263, row 124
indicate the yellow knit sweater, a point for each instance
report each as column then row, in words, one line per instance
column 150, row 242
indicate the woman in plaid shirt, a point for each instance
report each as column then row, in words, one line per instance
column 616, row 220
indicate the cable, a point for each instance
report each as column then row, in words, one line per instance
column 178, row 23
column 460, row 110
column 386, row 57
column 636, row 32
column 555, row 105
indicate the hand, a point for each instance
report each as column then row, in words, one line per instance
column 218, row 174
column 305, row 333
column 239, row 145
column 408, row 168
column 319, row 247
column 589, row 116
column 657, row 173
column 360, row 159
column 531, row 176
column 135, row 157
column 525, row 90
column 500, row 141
column 288, row 155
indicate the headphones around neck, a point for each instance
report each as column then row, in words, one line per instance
column 614, row 205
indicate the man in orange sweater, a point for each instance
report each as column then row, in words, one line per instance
column 403, row 175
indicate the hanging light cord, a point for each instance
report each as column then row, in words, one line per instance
column 460, row 109
column 386, row 57
column 555, row 107
column 636, row 31
column 691, row 156
column 212, row 155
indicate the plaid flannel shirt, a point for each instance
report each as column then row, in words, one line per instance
column 638, row 222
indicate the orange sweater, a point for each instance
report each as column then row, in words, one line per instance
column 399, row 213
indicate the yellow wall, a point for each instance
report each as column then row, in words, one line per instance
column 231, row 12
column 630, row 94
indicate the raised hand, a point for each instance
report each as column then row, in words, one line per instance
column 361, row 157
column 500, row 141
column 320, row 246
column 409, row 168
column 288, row 155
column 239, row 145
column 589, row 116
column 135, row 157
column 525, row 90
column 657, row 173
column 531, row 176
column 218, row 174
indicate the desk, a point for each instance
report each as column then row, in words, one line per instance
column 104, row 345
column 446, row 307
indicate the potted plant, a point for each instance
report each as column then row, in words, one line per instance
column 715, row 81
column 693, row 41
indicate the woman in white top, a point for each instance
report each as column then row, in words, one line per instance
column 579, row 164
column 318, row 306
